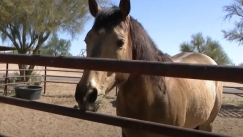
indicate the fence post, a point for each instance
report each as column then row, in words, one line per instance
column 6, row 82
column 45, row 80
column 24, row 75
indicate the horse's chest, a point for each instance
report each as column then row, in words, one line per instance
column 141, row 108
column 138, row 110
column 132, row 108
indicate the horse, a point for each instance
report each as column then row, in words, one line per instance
column 182, row 102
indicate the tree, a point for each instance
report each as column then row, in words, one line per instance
column 29, row 23
column 240, row 65
column 234, row 10
column 206, row 46
column 57, row 47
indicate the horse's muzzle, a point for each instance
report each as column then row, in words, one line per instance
column 86, row 98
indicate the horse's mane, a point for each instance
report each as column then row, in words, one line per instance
column 143, row 46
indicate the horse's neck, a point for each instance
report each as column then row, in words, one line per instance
column 139, row 96
column 144, row 87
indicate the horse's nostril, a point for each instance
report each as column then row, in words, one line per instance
column 77, row 94
column 92, row 95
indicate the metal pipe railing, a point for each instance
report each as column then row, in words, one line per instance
column 181, row 70
column 166, row 130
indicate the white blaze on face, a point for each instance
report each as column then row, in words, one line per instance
column 93, row 83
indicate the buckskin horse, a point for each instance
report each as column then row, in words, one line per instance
column 183, row 102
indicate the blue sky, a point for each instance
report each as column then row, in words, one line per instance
column 170, row 23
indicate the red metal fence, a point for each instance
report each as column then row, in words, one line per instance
column 6, row 78
column 7, row 82
column 221, row 73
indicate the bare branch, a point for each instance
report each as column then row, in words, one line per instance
column 236, row 34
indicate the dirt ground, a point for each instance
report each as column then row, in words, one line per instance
column 22, row 122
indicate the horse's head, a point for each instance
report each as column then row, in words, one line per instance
column 108, row 38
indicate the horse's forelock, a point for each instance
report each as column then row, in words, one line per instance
column 108, row 18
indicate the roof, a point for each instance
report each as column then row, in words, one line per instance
column 6, row 48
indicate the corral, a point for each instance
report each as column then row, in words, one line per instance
column 26, row 122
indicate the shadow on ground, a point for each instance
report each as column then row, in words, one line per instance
column 113, row 103
column 231, row 111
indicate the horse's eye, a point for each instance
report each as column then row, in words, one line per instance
column 120, row 43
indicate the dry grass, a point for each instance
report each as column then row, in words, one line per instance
column 233, row 100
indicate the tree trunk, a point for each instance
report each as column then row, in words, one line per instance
column 198, row 49
column 25, row 72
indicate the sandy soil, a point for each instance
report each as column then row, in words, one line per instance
column 21, row 122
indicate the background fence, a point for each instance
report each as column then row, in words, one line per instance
column 12, row 79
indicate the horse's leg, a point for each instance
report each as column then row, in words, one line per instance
column 208, row 125
column 123, row 134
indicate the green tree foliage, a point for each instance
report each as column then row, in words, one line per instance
column 57, row 47
column 240, row 65
column 206, row 46
column 29, row 23
column 234, row 10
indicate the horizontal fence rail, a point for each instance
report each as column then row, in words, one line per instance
column 2, row 135
column 166, row 130
column 58, row 76
column 55, row 81
column 43, row 70
column 206, row 72
column 64, row 70
column 17, row 83
column 22, row 76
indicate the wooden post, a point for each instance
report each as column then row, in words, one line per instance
column 45, row 80
column 24, row 75
column 5, row 93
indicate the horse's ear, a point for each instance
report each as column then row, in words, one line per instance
column 93, row 7
column 125, row 7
